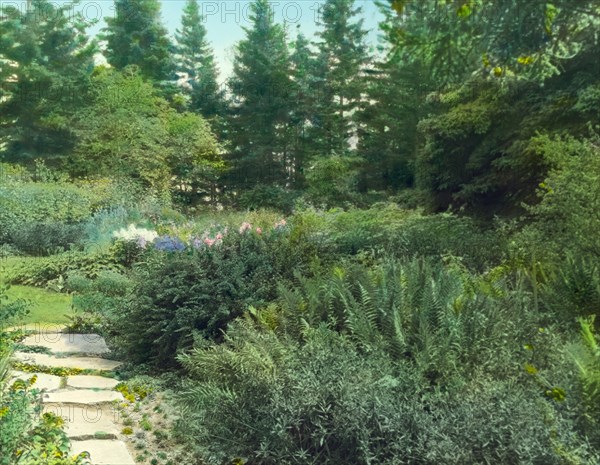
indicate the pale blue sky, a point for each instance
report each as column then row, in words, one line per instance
column 224, row 20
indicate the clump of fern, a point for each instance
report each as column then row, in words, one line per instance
column 442, row 318
column 586, row 354
column 574, row 289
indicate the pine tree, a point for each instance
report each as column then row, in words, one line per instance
column 195, row 59
column 135, row 36
column 341, row 61
column 45, row 63
column 261, row 108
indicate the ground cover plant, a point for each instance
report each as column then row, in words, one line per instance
column 350, row 246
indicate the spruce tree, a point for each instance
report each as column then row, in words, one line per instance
column 387, row 124
column 341, row 61
column 261, row 102
column 45, row 63
column 135, row 36
column 195, row 59
column 397, row 88
column 302, row 112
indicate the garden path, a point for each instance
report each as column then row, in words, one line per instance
column 87, row 403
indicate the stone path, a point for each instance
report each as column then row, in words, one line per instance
column 85, row 402
column 86, row 363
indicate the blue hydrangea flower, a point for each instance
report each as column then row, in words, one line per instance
column 169, row 244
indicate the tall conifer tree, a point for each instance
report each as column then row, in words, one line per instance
column 195, row 59
column 342, row 58
column 261, row 108
column 135, row 36
column 46, row 59
column 302, row 112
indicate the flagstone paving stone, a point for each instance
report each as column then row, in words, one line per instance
column 104, row 452
column 67, row 342
column 91, row 382
column 86, row 363
column 85, row 402
column 44, row 382
column 82, row 397
column 89, row 422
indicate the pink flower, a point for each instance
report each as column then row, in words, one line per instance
column 259, row 230
column 219, row 236
column 280, row 224
column 245, row 227
column 209, row 242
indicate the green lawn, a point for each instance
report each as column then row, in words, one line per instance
column 48, row 307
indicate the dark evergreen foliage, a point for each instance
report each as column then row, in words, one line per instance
column 46, row 60
column 135, row 36
column 196, row 63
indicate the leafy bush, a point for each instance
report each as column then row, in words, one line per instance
column 586, row 355
column 23, row 203
column 85, row 323
column 138, row 136
column 271, row 197
column 13, row 172
column 137, row 389
column 29, row 205
column 402, row 233
column 44, row 239
column 306, row 402
column 99, row 228
column 266, row 400
column 43, row 270
column 332, row 181
column 8, row 250
column 16, row 417
column 9, row 311
column 353, row 230
column 48, row 439
column 184, row 290
column 181, row 293
column 413, row 199
column 111, row 192
column 567, row 215
column 501, row 422
column 447, row 234
column 95, row 298
column 573, row 290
